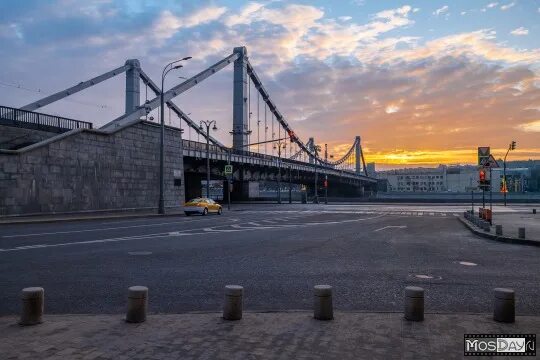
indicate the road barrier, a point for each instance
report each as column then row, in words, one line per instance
column 323, row 308
column 498, row 230
column 232, row 307
column 32, row 305
column 414, row 303
column 504, row 309
column 521, row 233
column 137, row 304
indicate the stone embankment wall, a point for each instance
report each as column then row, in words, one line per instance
column 89, row 170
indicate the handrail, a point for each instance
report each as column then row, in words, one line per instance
column 24, row 116
column 199, row 146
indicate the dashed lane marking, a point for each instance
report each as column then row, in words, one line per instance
column 391, row 227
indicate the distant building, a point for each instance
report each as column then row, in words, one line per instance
column 521, row 176
column 415, row 180
column 370, row 169
column 461, row 178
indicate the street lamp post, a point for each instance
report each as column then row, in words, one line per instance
column 208, row 124
column 280, row 145
column 326, row 175
column 290, row 185
column 316, row 149
column 512, row 146
column 170, row 66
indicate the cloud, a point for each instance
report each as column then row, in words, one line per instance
column 520, row 31
column 441, row 10
column 390, row 109
column 533, row 126
column 168, row 23
column 489, row 6
column 507, row 6
column 398, row 90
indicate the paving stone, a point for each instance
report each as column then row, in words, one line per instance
column 284, row 335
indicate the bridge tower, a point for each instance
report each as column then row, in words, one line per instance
column 240, row 110
column 133, row 98
column 311, row 147
column 358, row 154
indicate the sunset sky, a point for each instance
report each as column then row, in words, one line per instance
column 422, row 82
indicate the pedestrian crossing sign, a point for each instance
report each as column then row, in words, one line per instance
column 228, row 169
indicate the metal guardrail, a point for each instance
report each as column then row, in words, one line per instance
column 17, row 117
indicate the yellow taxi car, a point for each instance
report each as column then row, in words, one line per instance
column 202, row 206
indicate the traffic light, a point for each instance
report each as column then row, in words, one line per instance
column 482, row 176
column 513, row 145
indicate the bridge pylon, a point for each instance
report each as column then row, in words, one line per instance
column 133, row 92
column 358, row 154
column 240, row 98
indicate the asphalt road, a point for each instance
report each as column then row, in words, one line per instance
column 368, row 254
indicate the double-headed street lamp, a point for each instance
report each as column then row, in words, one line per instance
column 208, row 124
column 279, row 145
column 170, row 66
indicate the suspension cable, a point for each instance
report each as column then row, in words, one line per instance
column 265, row 131
column 249, row 111
column 258, row 123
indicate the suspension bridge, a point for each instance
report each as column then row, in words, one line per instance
column 264, row 145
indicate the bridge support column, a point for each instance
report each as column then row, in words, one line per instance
column 133, row 92
column 358, row 155
column 240, row 111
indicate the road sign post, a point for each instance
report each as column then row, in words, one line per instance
column 228, row 173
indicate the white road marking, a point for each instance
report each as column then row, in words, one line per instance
column 97, row 229
column 391, row 227
column 206, row 231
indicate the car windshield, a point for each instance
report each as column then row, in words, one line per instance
column 196, row 200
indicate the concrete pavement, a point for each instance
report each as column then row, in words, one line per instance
column 284, row 335
column 511, row 223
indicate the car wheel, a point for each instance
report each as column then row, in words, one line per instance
column 205, row 211
column 219, row 211
column 188, row 214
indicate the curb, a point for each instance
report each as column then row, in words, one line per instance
column 506, row 239
column 15, row 221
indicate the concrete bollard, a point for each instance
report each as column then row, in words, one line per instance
column 323, row 308
column 32, row 305
column 504, row 308
column 498, row 230
column 137, row 304
column 414, row 303
column 232, row 307
column 521, row 233
column 487, row 226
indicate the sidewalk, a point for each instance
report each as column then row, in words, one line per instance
column 283, row 335
column 511, row 223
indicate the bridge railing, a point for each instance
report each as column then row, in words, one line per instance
column 18, row 117
column 214, row 149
